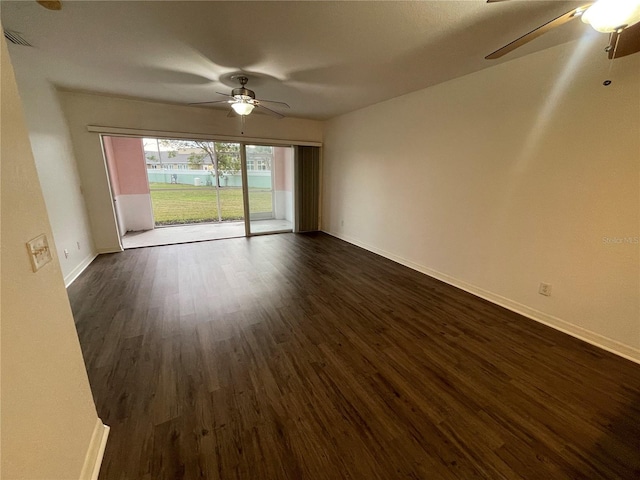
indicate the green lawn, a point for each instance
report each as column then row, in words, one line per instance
column 176, row 204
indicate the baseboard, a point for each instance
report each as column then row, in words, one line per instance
column 95, row 452
column 583, row 334
column 75, row 273
column 110, row 250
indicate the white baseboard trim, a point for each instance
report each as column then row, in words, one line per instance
column 95, row 452
column 75, row 273
column 110, row 250
column 583, row 334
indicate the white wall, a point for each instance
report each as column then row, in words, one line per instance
column 83, row 109
column 48, row 415
column 136, row 212
column 503, row 179
column 282, row 170
column 55, row 162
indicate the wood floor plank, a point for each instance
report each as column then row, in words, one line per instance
column 303, row 357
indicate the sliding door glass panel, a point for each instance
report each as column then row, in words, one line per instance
column 270, row 188
column 181, row 182
column 228, row 165
column 196, row 182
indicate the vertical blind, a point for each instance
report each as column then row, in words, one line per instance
column 307, row 188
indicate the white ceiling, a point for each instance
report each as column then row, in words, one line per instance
column 322, row 58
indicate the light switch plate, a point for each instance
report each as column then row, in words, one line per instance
column 39, row 252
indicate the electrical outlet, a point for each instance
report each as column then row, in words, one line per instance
column 78, row 243
column 545, row 289
column 66, row 253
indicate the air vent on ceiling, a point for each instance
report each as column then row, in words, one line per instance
column 16, row 38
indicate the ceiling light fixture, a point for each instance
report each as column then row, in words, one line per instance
column 243, row 101
column 609, row 16
column 619, row 18
column 242, row 107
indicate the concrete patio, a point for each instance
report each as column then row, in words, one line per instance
column 170, row 235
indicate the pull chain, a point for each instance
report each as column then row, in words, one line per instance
column 617, row 33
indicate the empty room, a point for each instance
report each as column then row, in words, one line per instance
column 320, row 240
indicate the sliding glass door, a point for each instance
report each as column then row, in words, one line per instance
column 269, row 184
column 194, row 181
column 202, row 189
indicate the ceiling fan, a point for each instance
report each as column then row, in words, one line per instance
column 243, row 100
column 619, row 18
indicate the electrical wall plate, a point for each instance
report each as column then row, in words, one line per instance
column 39, row 252
column 545, row 289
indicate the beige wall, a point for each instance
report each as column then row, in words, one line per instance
column 84, row 109
column 48, row 415
column 55, row 161
column 503, row 179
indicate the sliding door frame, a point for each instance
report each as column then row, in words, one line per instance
column 245, row 190
column 294, row 151
column 242, row 141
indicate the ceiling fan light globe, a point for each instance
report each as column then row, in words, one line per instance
column 242, row 108
column 610, row 15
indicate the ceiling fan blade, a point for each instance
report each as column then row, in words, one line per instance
column 269, row 111
column 628, row 42
column 225, row 95
column 232, row 113
column 285, row 105
column 495, row 1
column 526, row 38
column 216, row 101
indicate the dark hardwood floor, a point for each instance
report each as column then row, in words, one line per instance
column 303, row 357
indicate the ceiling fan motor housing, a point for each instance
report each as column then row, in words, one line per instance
column 243, row 93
